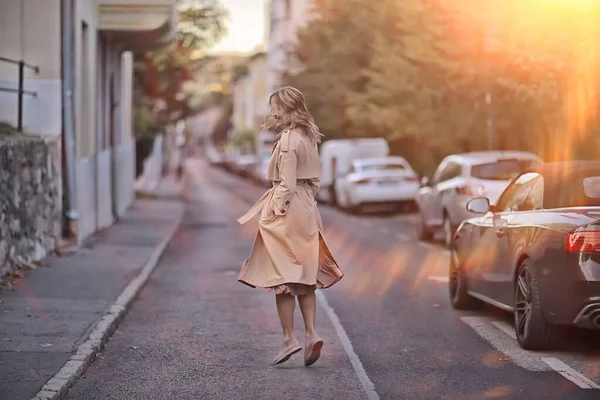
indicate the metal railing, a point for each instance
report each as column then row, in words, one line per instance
column 19, row 91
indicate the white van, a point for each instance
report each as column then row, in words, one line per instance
column 337, row 157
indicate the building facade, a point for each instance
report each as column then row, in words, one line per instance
column 285, row 18
column 250, row 95
column 81, row 94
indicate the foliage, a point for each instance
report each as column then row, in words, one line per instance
column 417, row 72
column 161, row 75
column 7, row 130
column 246, row 139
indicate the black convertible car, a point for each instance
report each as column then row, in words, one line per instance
column 535, row 253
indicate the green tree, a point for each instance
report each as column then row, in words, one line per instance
column 417, row 73
column 161, row 75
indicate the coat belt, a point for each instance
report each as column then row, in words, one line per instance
column 256, row 208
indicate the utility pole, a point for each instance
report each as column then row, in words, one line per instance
column 490, row 117
column 490, row 42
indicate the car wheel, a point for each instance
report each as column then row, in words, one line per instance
column 457, row 287
column 531, row 328
column 448, row 230
column 423, row 231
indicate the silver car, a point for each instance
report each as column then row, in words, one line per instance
column 461, row 177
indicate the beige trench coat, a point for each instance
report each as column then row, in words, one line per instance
column 289, row 246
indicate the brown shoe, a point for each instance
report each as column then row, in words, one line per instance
column 312, row 350
column 287, row 349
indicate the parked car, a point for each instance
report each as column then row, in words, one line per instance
column 336, row 160
column 536, row 253
column 213, row 156
column 244, row 165
column 377, row 181
column 259, row 172
column 460, row 178
column 229, row 159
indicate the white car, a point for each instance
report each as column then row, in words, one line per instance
column 377, row 181
column 259, row 172
column 336, row 160
column 244, row 164
column 459, row 178
column 214, row 156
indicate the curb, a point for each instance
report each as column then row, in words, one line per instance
column 86, row 353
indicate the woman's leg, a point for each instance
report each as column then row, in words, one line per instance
column 308, row 306
column 286, row 304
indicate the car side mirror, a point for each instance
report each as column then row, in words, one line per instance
column 479, row 205
column 424, row 181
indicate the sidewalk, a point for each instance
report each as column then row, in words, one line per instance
column 55, row 309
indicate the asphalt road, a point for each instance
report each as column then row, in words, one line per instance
column 195, row 333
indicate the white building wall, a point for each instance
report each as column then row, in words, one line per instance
column 30, row 31
column 285, row 18
column 105, row 165
column 240, row 104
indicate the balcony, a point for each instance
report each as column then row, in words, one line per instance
column 139, row 24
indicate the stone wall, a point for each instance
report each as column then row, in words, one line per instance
column 30, row 200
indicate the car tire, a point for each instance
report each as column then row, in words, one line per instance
column 332, row 197
column 531, row 328
column 460, row 299
column 448, row 230
column 423, row 231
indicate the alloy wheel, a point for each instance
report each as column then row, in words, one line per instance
column 523, row 303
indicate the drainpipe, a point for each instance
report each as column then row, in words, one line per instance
column 71, row 213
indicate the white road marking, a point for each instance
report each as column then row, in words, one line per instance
column 443, row 279
column 359, row 370
column 506, row 345
column 506, row 328
column 445, row 252
column 383, row 230
column 491, row 332
column 570, row 373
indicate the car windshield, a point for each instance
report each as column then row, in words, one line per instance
column 501, row 170
column 382, row 167
column 579, row 189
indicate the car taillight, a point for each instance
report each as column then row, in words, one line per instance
column 471, row 190
column 583, row 242
column 364, row 181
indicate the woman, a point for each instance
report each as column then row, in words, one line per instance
column 290, row 257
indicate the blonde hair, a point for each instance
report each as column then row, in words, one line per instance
column 291, row 113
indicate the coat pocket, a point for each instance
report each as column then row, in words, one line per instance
column 281, row 202
column 268, row 212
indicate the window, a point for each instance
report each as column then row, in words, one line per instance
column 449, row 171
column 501, row 170
column 572, row 189
column 383, row 167
column 516, row 197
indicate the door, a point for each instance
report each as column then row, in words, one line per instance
column 427, row 195
column 441, row 188
column 478, row 260
column 525, row 197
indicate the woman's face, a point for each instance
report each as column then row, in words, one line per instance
column 273, row 121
